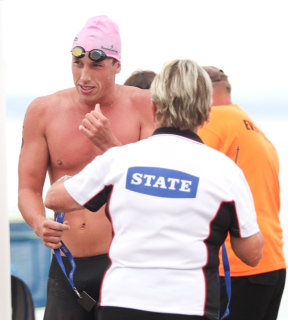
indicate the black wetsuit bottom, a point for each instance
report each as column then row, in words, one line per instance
column 115, row 313
column 62, row 300
column 255, row 297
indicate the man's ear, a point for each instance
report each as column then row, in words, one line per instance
column 118, row 68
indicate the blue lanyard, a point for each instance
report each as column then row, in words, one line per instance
column 226, row 265
column 59, row 217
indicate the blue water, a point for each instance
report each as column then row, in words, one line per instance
column 30, row 260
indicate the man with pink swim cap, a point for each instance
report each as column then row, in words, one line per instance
column 62, row 133
column 100, row 33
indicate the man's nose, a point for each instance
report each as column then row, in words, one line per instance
column 86, row 74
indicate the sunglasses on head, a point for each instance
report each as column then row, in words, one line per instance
column 95, row 54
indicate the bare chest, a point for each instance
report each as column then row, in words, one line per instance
column 70, row 150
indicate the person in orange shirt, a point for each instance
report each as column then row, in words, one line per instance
column 256, row 292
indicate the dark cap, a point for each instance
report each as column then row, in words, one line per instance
column 215, row 74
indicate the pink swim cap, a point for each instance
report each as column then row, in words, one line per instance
column 100, row 33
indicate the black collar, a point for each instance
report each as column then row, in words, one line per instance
column 184, row 133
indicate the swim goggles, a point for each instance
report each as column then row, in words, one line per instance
column 95, row 54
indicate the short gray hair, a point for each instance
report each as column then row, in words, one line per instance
column 182, row 93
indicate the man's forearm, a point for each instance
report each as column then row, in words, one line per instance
column 32, row 209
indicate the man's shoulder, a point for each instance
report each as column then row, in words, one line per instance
column 222, row 118
column 65, row 93
column 231, row 109
column 43, row 104
column 53, row 97
column 135, row 99
column 135, row 93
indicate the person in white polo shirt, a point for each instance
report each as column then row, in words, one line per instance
column 171, row 201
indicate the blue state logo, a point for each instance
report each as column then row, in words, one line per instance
column 162, row 182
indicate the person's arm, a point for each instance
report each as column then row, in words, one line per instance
column 249, row 250
column 87, row 188
column 245, row 235
column 32, row 168
column 59, row 200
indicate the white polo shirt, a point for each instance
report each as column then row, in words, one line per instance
column 171, row 200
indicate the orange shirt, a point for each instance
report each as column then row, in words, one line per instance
column 230, row 129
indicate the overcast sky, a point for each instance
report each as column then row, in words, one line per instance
column 247, row 39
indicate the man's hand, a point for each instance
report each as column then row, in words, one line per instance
column 51, row 233
column 96, row 127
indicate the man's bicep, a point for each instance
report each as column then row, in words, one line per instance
column 32, row 167
column 34, row 156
